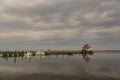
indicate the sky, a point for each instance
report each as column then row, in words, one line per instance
column 59, row 24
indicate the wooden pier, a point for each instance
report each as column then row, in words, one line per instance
column 33, row 53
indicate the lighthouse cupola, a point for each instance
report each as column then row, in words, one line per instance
column 86, row 47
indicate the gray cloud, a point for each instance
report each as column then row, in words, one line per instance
column 57, row 22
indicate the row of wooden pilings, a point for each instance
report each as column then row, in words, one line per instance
column 12, row 53
column 22, row 53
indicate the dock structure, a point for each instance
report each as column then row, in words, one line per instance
column 11, row 53
column 86, row 49
column 62, row 52
column 30, row 54
column 33, row 53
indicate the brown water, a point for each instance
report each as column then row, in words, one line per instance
column 99, row 66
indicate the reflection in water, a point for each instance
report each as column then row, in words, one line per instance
column 61, row 67
column 87, row 57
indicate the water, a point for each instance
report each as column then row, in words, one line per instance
column 99, row 66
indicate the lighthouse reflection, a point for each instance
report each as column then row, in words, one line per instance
column 87, row 56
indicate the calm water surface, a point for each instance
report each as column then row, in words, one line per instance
column 99, row 66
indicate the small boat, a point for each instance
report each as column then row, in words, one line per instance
column 39, row 53
column 28, row 54
column 1, row 55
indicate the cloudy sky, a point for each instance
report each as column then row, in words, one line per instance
column 59, row 24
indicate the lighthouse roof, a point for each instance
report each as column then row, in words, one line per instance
column 86, row 46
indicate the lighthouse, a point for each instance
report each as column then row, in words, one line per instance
column 86, row 49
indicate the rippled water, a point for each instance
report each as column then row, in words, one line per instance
column 99, row 66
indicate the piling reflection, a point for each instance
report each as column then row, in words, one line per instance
column 40, row 55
